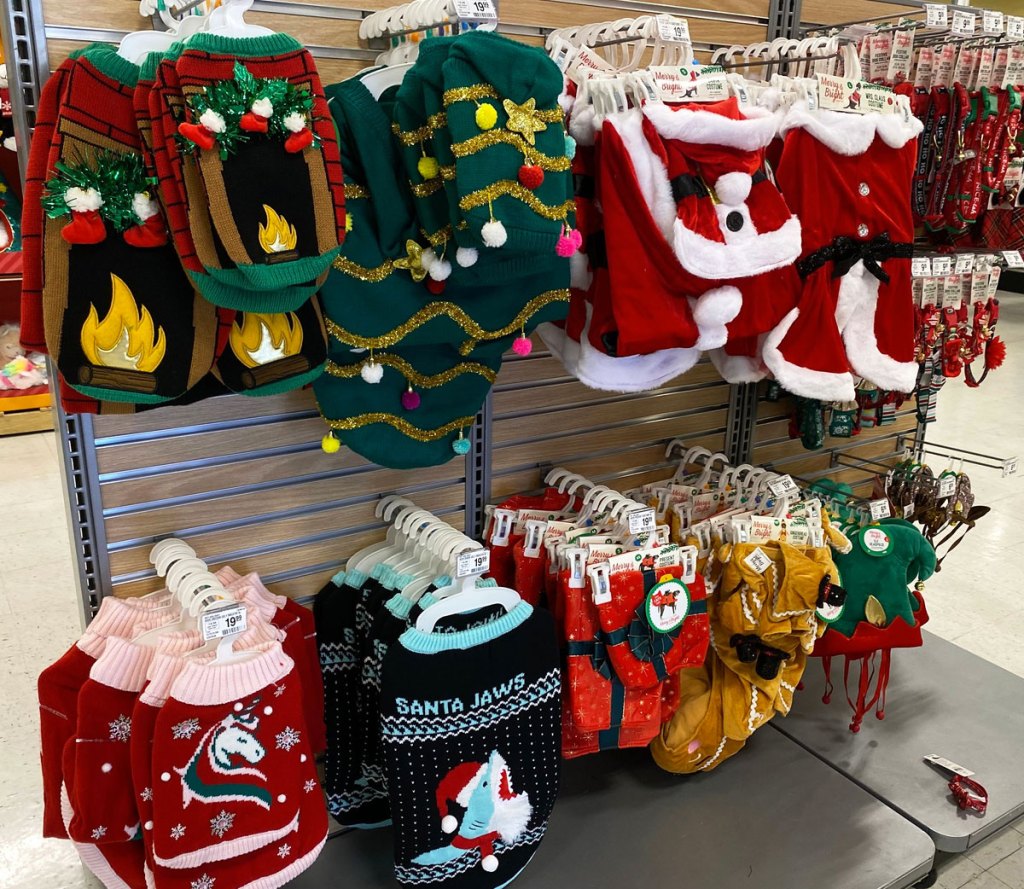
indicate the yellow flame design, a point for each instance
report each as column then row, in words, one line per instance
column 265, row 338
column 126, row 337
column 278, row 235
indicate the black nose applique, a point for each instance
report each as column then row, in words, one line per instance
column 734, row 221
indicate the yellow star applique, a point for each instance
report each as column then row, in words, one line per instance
column 523, row 119
column 412, row 262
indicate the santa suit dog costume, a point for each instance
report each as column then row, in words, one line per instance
column 856, row 310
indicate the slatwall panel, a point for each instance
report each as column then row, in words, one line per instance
column 245, row 482
column 774, row 448
column 543, row 418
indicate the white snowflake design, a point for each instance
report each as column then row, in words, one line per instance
column 99, row 833
column 204, row 882
column 284, row 851
column 178, row 831
column 221, row 823
column 185, row 729
column 287, row 738
column 121, row 728
column 309, row 786
column 279, row 691
column 147, row 794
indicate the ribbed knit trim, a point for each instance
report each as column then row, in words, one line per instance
column 399, row 606
column 92, row 856
column 121, row 396
column 243, row 47
column 290, row 872
column 401, row 581
column 264, row 276
column 116, row 618
column 353, row 578
column 178, row 641
column 258, row 605
column 379, row 570
column 208, row 684
column 431, row 643
column 227, row 575
column 148, row 66
column 123, row 665
column 104, row 58
column 257, row 584
column 229, row 849
column 228, row 289
column 427, row 599
column 163, row 670
column 91, row 644
column 338, row 578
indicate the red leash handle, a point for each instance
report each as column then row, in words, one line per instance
column 969, row 794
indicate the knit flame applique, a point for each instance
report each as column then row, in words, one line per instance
column 265, row 338
column 278, row 235
column 218, row 769
column 494, row 814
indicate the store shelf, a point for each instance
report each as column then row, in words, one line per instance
column 772, row 816
column 942, row 700
column 26, row 413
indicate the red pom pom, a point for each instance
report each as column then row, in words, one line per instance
column 296, row 142
column 522, row 345
column 85, row 227
column 435, row 287
column 253, row 123
column 995, row 354
column 530, row 176
column 410, row 399
column 197, row 134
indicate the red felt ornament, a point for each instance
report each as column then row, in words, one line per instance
column 253, row 123
column 197, row 134
column 152, row 233
column 86, row 227
column 299, row 141
column 531, row 176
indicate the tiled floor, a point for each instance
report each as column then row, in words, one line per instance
column 39, row 613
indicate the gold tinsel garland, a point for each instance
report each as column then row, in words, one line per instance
column 401, row 424
column 494, row 137
column 424, row 381
column 469, row 93
column 509, row 188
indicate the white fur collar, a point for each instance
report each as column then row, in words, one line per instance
column 749, row 133
column 851, row 134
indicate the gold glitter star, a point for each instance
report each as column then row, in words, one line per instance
column 412, row 262
column 523, row 119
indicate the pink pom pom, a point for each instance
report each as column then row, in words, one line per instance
column 565, row 247
column 410, row 399
column 522, row 345
column 576, row 237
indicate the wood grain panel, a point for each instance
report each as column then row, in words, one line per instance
column 825, row 11
column 113, row 14
column 771, row 453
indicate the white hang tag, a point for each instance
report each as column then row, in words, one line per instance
column 1015, row 27
column 764, row 528
column 942, row 266
column 901, row 56
column 228, row 620
column 991, row 21
column 1009, row 466
column 757, row 561
column 964, row 263
column 688, row 555
column 476, row 11
column 672, row 29
column 534, row 538
column 641, row 521
column 576, row 556
column 586, row 64
column 1013, row 259
column 476, row 561
column 948, row 765
column 963, row 23
column 880, row 510
column 880, row 53
column 501, row 528
column 925, row 67
column 600, row 587
column 936, row 15
column 817, row 536
column 921, row 267
column 993, row 280
column 784, row 486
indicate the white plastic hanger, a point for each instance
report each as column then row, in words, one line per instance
column 228, row 20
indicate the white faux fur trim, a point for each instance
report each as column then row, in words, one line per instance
column 583, row 124
column 580, row 276
column 851, row 134
column 712, row 311
column 715, row 260
column 650, row 170
column 802, row 380
column 738, row 368
column 754, row 131
column 862, row 351
column 557, row 340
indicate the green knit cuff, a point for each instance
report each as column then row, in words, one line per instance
column 243, row 47
column 105, row 59
column 227, row 288
column 287, row 274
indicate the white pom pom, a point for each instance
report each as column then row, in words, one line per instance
column 733, row 188
column 372, row 372
column 144, row 206
column 295, row 122
column 82, row 200
column 440, row 270
column 466, row 256
column 494, row 233
column 489, row 864
column 449, row 824
column 427, row 258
column 262, row 107
column 212, row 121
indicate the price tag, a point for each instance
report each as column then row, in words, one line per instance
column 784, row 486
column 963, row 23
column 964, row 263
column 476, row 561
column 220, row 622
column 476, row 10
column 1013, row 259
column 908, row 510
column 991, row 21
column 642, row 521
column 757, row 561
column 921, row 267
column 673, row 30
column 1009, row 466
column 880, row 510
column 947, row 485
column 1015, row 27
column 936, row 15
column 948, row 765
column 942, row 266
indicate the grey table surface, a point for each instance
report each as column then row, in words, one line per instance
column 941, row 700
column 773, row 816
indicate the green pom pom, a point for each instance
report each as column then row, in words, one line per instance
column 486, row 116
